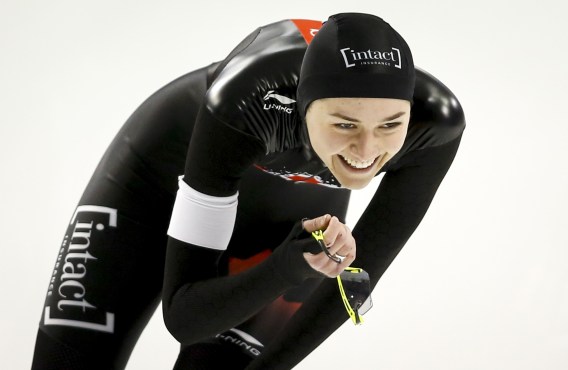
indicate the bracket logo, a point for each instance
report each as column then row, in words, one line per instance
column 66, row 303
column 353, row 58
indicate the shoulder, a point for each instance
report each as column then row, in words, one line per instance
column 436, row 109
column 254, row 88
column 268, row 59
column 436, row 118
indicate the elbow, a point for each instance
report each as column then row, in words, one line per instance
column 169, row 319
column 174, row 322
column 183, row 320
column 171, row 313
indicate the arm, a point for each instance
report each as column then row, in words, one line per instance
column 232, row 131
column 197, row 303
column 393, row 214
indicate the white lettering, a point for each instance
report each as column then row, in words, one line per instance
column 347, row 64
column 278, row 107
column 69, row 271
column 86, row 236
column 71, row 288
column 72, row 284
column 397, row 60
column 87, row 256
column 239, row 342
column 66, row 302
column 371, row 57
column 107, row 327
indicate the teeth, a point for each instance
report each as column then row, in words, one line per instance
column 358, row 164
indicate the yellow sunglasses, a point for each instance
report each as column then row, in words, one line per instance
column 354, row 285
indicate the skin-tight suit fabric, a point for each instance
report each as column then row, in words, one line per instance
column 226, row 129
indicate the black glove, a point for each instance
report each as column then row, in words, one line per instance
column 288, row 259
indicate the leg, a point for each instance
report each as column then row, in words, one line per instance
column 108, row 275
column 214, row 354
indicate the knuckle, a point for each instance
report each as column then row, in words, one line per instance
column 333, row 221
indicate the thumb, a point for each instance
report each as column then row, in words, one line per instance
column 318, row 223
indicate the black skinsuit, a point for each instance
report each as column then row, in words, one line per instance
column 244, row 137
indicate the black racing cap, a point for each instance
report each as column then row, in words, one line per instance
column 356, row 55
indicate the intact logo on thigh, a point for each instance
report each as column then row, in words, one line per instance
column 69, row 297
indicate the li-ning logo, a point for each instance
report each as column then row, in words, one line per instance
column 67, row 291
column 280, row 98
column 369, row 57
column 246, row 341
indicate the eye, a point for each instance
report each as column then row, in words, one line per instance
column 391, row 125
column 344, row 126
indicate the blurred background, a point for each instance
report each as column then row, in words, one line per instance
column 482, row 284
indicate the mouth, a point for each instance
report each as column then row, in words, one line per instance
column 358, row 166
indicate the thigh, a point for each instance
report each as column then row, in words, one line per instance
column 225, row 348
column 108, row 275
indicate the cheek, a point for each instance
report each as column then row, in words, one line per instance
column 394, row 143
column 334, row 143
column 326, row 143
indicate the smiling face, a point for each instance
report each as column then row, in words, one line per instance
column 355, row 137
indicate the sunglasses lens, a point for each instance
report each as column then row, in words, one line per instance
column 366, row 306
column 357, row 287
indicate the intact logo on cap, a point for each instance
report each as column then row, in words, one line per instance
column 354, row 58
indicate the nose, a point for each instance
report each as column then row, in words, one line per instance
column 365, row 146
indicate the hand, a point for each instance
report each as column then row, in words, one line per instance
column 337, row 236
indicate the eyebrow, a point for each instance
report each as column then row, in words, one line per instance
column 342, row 116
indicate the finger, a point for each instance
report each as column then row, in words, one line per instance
column 326, row 266
column 322, row 264
column 348, row 251
column 347, row 261
column 334, row 233
column 318, row 223
column 343, row 244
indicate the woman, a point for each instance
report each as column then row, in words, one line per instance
column 276, row 133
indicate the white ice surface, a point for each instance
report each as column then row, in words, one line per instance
column 482, row 284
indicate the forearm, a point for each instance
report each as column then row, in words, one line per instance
column 198, row 304
column 390, row 219
column 200, row 309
